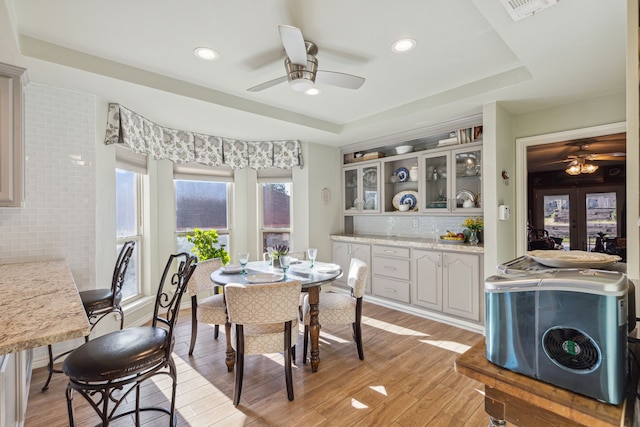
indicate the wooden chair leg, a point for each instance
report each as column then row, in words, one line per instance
column 358, row 333
column 287, row 360
column 194, row 330
column 239, row 364
column 305, row 345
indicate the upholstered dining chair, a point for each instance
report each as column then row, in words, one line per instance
column 264, row 316
column 105, row 370
column 98, row 303
column 211, row 309
column 340, row 309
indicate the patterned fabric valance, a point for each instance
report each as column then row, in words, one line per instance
column 143, row 136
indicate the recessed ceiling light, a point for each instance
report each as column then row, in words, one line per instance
column 206, row 53
column 403, row 45
column 313, row 91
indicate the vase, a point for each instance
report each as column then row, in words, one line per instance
column 473, row 237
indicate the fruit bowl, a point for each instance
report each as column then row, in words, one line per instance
column 452, row 239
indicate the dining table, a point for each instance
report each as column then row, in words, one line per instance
column 311, row 277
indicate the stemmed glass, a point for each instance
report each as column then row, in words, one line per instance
column 243, row 259
column 271, row 254
column 312, row 252
column 285, row 260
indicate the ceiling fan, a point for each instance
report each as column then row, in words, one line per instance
column 579, row 162
column 301, row 66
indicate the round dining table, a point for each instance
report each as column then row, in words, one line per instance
column 311, row 279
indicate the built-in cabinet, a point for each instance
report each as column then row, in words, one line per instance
column 423, row 277
column 391, row 268
column 361, row 188
column 453, row 180
column 343, row 252
column 445, row 180
column 447, row 281
column 12, row 81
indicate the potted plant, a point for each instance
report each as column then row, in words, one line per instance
column 205, row 246
column 276, row 252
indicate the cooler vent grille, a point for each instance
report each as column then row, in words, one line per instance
column 571, row 349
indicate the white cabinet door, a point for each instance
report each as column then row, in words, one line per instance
column 342, row 254
column 427, row 278
column 362, row 252
column 461, row 285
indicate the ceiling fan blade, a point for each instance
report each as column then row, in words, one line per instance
column 293, row 43
column 267, row 85
column 346, row 81
column 608, row 156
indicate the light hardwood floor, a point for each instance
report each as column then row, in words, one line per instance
column 406, row 379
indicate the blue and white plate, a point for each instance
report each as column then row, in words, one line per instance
column 402, row 174
column 406, row 198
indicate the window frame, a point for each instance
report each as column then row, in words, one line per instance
column 138, row 238
column 262, row 229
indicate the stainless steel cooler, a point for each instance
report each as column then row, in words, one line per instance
column 564, row 327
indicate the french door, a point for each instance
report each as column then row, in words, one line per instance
column 578, row 215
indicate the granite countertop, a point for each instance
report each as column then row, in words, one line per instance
column 411, row 242
column 40, row 305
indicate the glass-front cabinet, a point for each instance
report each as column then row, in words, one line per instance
column 453, row 180
column 362, row 188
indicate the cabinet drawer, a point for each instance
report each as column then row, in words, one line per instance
column 392, row 289
column 391, row 267
column 391, row 251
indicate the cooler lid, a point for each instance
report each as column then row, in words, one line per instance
column 585, row 280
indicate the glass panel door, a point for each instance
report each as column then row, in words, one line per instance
column 436, row 189
column 350, row 189
column 370, row 188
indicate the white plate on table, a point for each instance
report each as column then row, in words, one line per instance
column 573, row 259
column 328, row 268
column 265, row 277
column 231, row 269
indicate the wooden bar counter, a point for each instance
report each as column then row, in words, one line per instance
column 40, row 305
column 525, row 401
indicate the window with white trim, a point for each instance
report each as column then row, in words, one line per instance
column 130, row 169
column 276, row 207
column 202, row 198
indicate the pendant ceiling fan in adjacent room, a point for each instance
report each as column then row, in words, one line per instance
column 581, row 160
column 301, row 66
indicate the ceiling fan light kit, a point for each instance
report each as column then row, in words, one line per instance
column 580, row 166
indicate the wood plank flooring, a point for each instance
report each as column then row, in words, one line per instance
column 406, row 379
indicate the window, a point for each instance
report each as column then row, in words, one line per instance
column 129, row 226
column 201, row 204
column 276, row 214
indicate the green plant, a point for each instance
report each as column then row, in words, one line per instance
column 204, row 246
column 281, row 250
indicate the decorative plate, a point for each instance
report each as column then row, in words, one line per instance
column 463, row 195
column 575, row 259
column 406, row 197
column 328, row 268
column 402, row 174
column 231, row 269
column 265, row 277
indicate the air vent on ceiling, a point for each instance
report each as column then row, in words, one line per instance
column 520, row 9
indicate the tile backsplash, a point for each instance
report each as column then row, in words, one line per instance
column 403, row 225
column 58, row 217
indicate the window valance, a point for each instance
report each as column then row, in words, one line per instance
column 160, row 143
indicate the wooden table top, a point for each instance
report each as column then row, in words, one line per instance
column 40, row 305
column 580, row 409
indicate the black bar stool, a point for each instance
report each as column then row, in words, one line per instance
column 98, row 303
column 108, row 368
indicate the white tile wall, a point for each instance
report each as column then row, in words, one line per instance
column 402, row 225
column 58, row 218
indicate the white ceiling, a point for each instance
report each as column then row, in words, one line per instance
column 469, row 52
